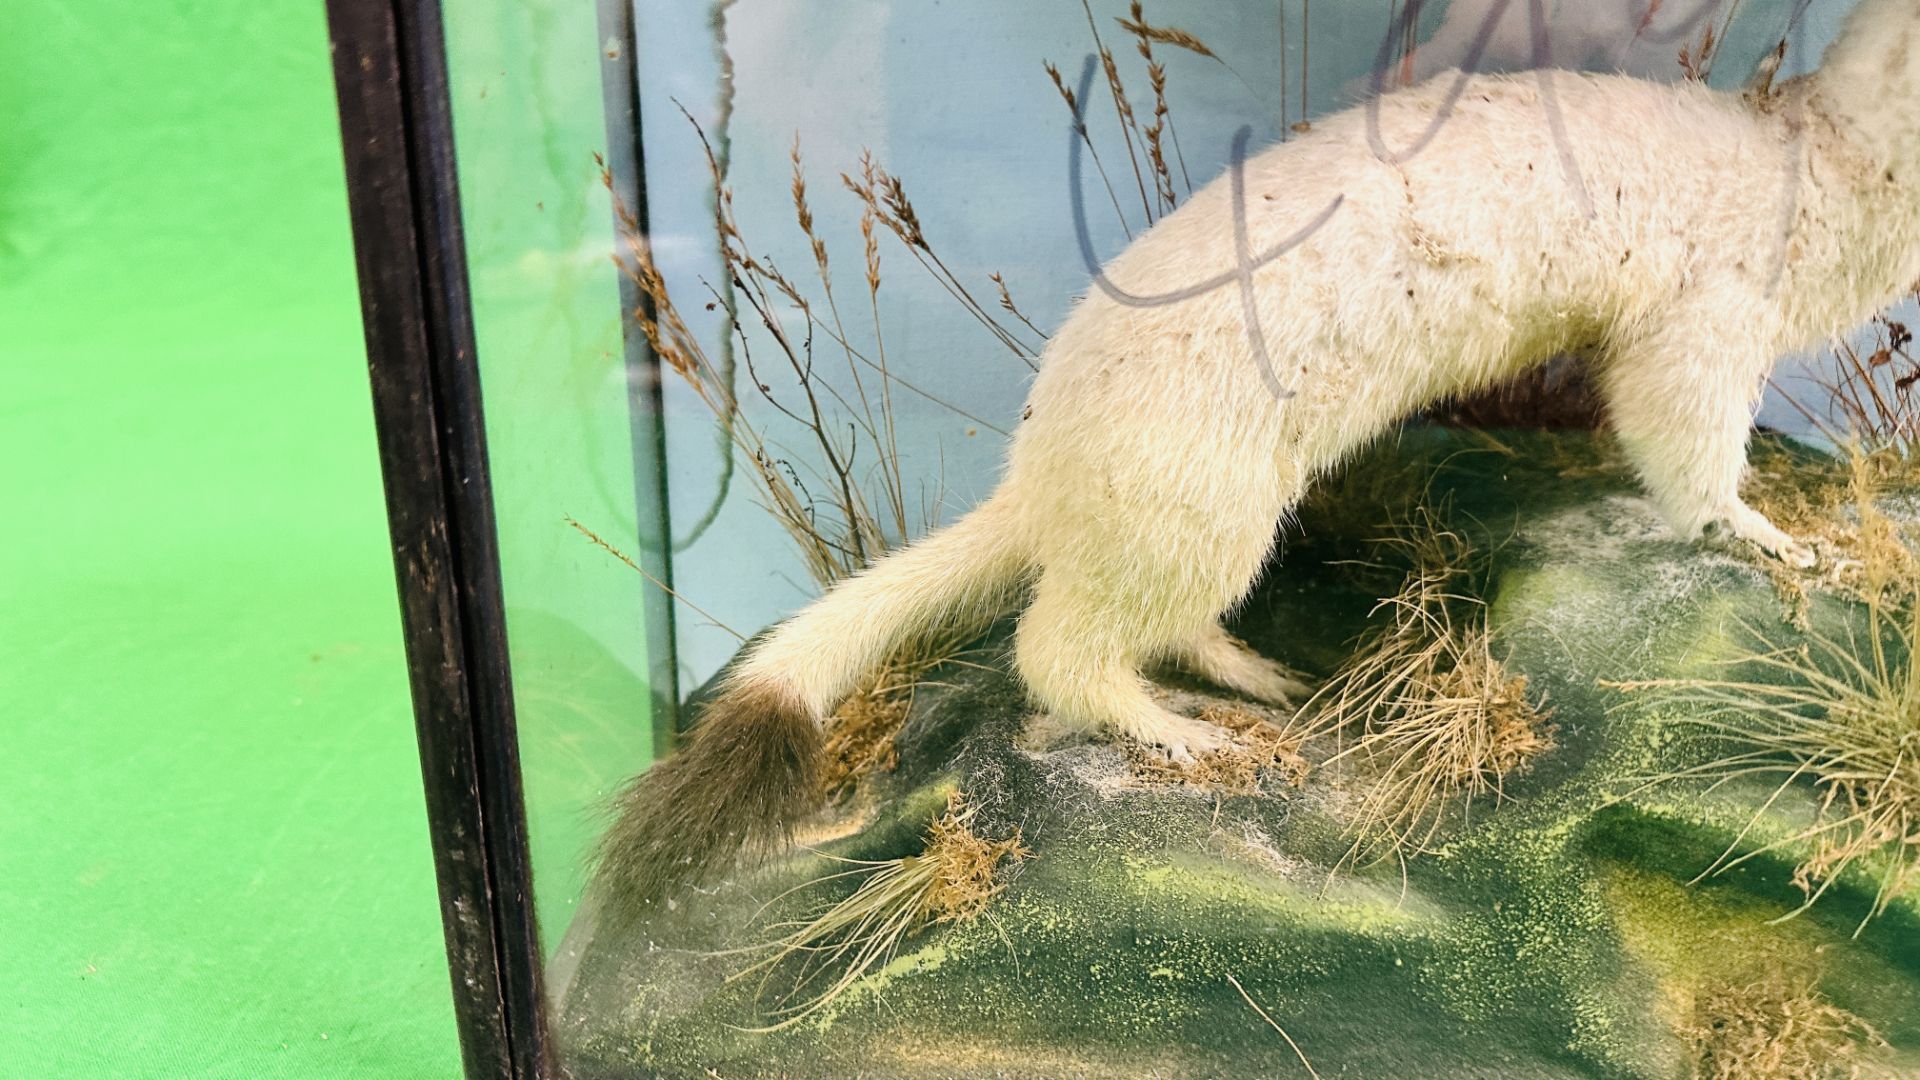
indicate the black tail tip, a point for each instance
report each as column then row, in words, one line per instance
column 748, row 774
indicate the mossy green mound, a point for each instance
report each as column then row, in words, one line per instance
column 1556, row 934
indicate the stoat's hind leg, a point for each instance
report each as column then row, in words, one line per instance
column 1078, row 656
column 1127, row 590
column 1681, row 397
column 1226, row 661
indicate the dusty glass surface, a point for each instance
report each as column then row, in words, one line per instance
column 526, row 105
column 1323, row 622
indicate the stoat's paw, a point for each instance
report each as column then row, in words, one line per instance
column 1796, row 554
column 1276, row 684
column 1746, row 523
column 1180, row 739
column 1228, row 662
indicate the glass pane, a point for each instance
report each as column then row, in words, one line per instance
column 561, row 437
column 1270, row 574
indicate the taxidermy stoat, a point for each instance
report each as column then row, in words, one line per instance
column 1683, row 237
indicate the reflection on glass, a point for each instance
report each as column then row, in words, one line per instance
column 1279, row 576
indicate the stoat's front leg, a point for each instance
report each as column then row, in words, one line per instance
column 1681, row 396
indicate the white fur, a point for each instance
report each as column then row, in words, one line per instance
column 1693, row 239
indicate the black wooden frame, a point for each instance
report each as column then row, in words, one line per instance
column 390, row 73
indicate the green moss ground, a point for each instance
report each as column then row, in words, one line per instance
column 1546, row 937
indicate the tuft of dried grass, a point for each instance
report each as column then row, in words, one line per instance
column 840, row 513
column 860, row 740
column 861, row 733
column 1873, row 395
column 951, row 881
column 1844, row 717
column 1696, row 61
column 1439, row 720
column 1775, row 1027
column 1260, row 751
column 824, row 506
column 966, row 867
column 1832, row 505
column 885, row 198
column 1839, row 711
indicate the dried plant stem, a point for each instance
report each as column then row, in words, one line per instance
column 1281, row 7
column 1080, row 127
column 886, row 199
column 1306, row 56
column 723, row 163
column 1179, row 155
column 903, row 383
column 1006, row 302
column 1158, row 132
column 1406, row 14
column 841, row 495
column 1871, row 399
column 663, row 586
column 821, row 496
column 1156, row 74
column 1139, row 138
column 886, row 390
column 880, row 431
column 1248, row 998
column 829, row 550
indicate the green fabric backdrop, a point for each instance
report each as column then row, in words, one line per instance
column 213, row 853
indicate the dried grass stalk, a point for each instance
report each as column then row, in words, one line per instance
column 1161, row 130
column 1164, row 35
column 1139, row 138
column 1830, row 504
column 835, row 527
column 1871, row 399
column 860, row 740
column 862, row 732
column 885, row 197
column 840, row 514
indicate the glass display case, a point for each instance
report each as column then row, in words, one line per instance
column 1099, row 538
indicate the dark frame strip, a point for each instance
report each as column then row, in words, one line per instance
column 390, row 73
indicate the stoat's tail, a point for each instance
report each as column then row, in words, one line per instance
column 751, row 768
